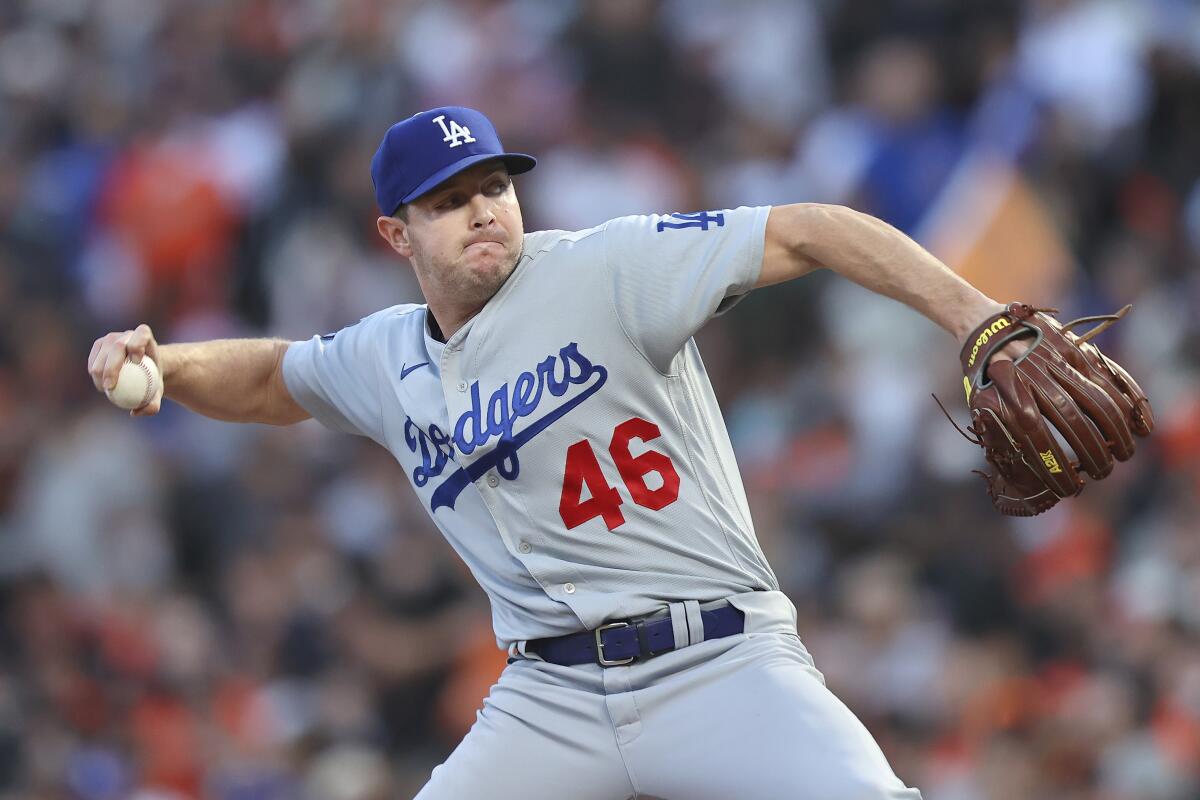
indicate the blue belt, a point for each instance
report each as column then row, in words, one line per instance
column 616, row 644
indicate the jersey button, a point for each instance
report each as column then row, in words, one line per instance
column 569, row 588
column 493, row 481
column 462, row 386
column 525, row 547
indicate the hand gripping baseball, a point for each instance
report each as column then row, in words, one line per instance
column 1062, row 383
column 110, row 353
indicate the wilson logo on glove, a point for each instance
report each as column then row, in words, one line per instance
column 994, row 328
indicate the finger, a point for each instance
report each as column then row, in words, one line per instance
column 1064, row 399
column 100, row 362
column 1123, row 389
column 152, row 350
column 114, row 359
column 94, row 364
column 139, row 340
column 1039, row 449
column 101, row 349
column 148, row 410
column 91, row 359
column 1076, row 364
column 1142, row 415
column 1111, row 410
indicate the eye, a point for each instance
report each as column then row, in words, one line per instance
column 498, row 186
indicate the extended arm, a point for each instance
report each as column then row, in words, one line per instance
column 236, row 380
column 807, row 236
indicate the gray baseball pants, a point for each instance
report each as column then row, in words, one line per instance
column 747, row 716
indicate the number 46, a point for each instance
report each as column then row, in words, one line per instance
column 582, row 469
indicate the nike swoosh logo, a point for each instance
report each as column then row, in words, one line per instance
column 405, row 370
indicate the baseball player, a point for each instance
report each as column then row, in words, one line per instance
column 550, row 407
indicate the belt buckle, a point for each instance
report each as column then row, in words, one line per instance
column 604, row 662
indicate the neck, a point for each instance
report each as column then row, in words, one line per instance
column 446, row 315
column 445, row 322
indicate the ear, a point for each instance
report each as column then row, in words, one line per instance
column 395, row 232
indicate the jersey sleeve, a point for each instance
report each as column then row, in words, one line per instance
column 336, row 379
column 672, row 273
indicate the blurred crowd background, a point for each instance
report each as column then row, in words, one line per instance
column 194, row 609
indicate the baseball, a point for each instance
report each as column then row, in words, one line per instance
column 136, row 384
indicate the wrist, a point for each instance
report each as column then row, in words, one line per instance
column 972, row 315
column 167, row 356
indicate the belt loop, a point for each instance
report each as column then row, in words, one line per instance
column 679, row 625
column 695, row 622
column 521, row 649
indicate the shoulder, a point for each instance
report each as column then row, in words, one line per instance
column 647, row 238
column 396, row 316
column 637, row 224
column 545, row 241
column 638, row 232
column 540, row 242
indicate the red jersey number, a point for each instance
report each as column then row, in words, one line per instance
column 583, row 469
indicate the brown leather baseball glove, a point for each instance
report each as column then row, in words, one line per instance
column 1061, row 383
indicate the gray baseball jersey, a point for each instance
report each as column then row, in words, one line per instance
column 566, row 440
column 567, row 443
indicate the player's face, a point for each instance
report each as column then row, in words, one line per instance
column 465, row 236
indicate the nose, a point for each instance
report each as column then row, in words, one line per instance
column 482, row 213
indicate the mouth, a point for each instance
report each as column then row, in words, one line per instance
column 484, row 243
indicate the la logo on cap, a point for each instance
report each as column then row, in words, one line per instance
column 455, row 134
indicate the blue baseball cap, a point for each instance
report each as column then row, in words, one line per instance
column 420, row 152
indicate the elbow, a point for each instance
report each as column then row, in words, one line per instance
column 814, row 225
column 795, row 238
column 281, row 416
column 276, row 405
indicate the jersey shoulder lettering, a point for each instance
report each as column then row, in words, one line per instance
column 671, row 273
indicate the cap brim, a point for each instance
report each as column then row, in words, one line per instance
column 516, row 163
